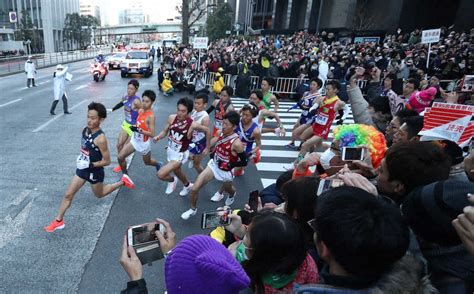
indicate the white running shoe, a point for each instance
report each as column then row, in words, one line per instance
column 229, row 200
column 186, row 190
column 171, row 186
column 188, row 213
column 217, row 197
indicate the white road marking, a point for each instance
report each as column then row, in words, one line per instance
column 11, row 102
column 267, row 182
column 80, row 87
column 56, row 117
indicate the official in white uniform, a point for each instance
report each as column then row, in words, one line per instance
column 30, row 71
column 59, row 88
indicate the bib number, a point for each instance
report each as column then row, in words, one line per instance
column 83, row 160
column 218, row 124
column 321, row 119
column 174, row 146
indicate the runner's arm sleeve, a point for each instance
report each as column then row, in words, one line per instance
column 243, row 159
column 119, row 105
column 210, row 109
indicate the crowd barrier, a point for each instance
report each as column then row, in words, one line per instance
column 288, row 86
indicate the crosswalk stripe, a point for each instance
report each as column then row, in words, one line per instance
column 279, row 153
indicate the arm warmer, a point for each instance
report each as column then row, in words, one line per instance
column 120, row 104
column 210, row 109
column 243, row 159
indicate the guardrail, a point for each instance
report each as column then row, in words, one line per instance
column 17, row 64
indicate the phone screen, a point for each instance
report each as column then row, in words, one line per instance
column 216, row 218
column 327, row 184
column 144, row 233
column 253, row 200
column 352, row 153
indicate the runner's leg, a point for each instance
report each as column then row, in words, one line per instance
column 100, row 190
column 181, row 176
column 164, row 172
column 122, row 139
column 229, row 188
column 127, row 149
column 203, row 178
column 197, row 163
column 147, row 160
column 74, row 186
column 315, row 141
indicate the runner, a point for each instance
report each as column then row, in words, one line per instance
column 132, row 104
column 179, row 128
column 198, row 145
column 93, row 157
column 142, row 131
column 256, row 97
column 228, row 153
column 327, row 108
column 249, row 133
column 221, row 107
column 305, row 104
column 268, row 97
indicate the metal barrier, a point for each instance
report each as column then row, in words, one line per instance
column 17, row 64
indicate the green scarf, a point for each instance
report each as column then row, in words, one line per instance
column 278, row 281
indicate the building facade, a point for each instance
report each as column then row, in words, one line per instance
column 291, row 15
column 89, row 7
column 47, row 17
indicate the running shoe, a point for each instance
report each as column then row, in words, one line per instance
column 229, row 200
column 186, row 190
column 256, row 158
column 171, row 186
column 189, row 213
column 117, row 169
column 239, row 173
column 291, row 146
column 217, row 197
column 159, row 164
column 127, row 182
column 54, row 225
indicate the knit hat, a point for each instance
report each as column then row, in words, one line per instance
column 422, row 99
column 429, row 210
column 200, row 265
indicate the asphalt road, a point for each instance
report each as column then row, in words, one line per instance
column 37, row 161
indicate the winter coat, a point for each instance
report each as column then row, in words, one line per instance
column 166, row 85
column 30, row 69
column 218, row 83
column 407, row 276
column 59, row 80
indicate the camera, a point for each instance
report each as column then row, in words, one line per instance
column 213, row 219
column 144, row 241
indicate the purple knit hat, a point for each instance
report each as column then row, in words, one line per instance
column 199, row 264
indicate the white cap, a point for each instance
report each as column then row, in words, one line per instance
column 59, row 66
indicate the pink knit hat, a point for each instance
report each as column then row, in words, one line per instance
column 420, row 100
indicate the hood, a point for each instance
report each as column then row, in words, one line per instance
column 407, row 276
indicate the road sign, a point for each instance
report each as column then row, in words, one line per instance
column 13, row 16
column 200, row 42
column 430, row 36
column 227, row 32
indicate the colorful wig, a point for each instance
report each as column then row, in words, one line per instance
column 354, row 135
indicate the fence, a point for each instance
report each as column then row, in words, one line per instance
column 288, row 86
column 17, row 64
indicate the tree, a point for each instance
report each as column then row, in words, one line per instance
column 365, row 18
column 191, row 11
column 219, row 22
column 73, row 28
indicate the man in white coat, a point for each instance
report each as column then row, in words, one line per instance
column 30, row 71
column 59, row 89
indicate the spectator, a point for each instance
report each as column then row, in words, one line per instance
column 430, row 211
column 218, row 81
column 160, row 73
column 363, row 241
column 272, row 193
column 166, row 85
column 409, row 130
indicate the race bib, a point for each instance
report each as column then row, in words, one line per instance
column 174, row 146
column 83, row 160
column 321, row 119
column 218, row 124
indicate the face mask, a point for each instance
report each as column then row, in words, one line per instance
column 462, row 65
column 326, row 157
column 240, row 254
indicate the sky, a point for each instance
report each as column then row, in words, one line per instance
column 159, row 10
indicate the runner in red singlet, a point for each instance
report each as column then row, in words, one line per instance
column 179, row 129
column 228, row 153
column 221, row 106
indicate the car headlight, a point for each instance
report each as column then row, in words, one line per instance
column 144, row 64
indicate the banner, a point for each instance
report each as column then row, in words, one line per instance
column 451, row 122
column 430, row 36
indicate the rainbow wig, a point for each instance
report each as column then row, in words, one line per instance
column 354, row 135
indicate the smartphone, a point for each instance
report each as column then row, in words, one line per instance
column 143, row 239
column 253, row 200
column 352, row 153
column 326, row 184
column 214, row 219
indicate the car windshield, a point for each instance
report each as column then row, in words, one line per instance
column 137, row 55
column 120, row 55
